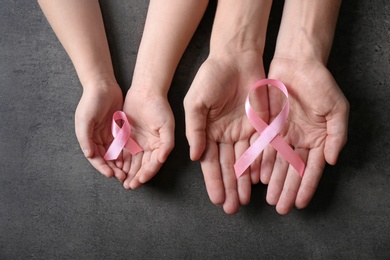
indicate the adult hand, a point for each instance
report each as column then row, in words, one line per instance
column 217, row 128
column 316, row 128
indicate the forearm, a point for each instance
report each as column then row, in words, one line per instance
column 169, row 28
column 80, row 29
column 307, row 29
column 240, row 26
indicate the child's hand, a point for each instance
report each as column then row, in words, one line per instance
column 316, row 128
column 93, row 125
column 217, row 127
column 153, row 128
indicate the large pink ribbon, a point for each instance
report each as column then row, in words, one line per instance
column 122, row 138
column 269, row 134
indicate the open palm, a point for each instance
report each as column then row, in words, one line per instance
column 316, row 128
column 217, row 128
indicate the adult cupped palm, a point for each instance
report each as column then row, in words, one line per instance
column 316, row 128
column 217, row 128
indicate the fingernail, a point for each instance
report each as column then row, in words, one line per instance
column 133, row 185
column 86, row 152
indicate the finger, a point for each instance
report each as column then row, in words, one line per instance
column 244, row 182
column 149, row 167
column 118, row 173
column 100, row 164
column 267, row 164
column 337, row 130
column 135, row 165
column 136, row 162
column 126, row 161
column 209, row 163
column 134, row 183
column 195, row 120
column 167, row 139
column 226, row 159
column 119, row 161
column 277, row 180
column 314, row 167
column 291, row 185
column 84, row 136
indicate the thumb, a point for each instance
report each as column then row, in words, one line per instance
column 167, row 141
column 195, row 120
column 84, row 136
column 337, row 129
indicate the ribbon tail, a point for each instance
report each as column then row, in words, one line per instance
column 116, row 146
column 133, row 146
column 253, row 151
column 112, row 152
column 288, row 154
column 246, row 160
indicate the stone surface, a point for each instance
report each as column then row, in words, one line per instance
column 54, row 205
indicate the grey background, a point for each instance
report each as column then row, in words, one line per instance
column 54, row 205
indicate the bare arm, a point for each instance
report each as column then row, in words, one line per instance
column 217, row 128
column 318, row 119
column 79, row 27
column 307, row 29
column 240, row 26
column 169, row 28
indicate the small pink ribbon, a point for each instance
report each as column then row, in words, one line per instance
column 269, row 134
column 122, row 138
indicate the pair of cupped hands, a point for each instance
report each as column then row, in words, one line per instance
column 218, row 130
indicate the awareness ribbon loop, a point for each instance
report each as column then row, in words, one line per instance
column 122, row 138
column 269, row 134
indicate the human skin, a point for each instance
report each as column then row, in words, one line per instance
column 80, row 29
column 318, row 120
column 217, row 128
column 168, row 29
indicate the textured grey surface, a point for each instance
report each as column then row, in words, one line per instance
column 54, row 205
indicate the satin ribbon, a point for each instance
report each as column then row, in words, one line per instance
column 122, row 138
column 269, row 134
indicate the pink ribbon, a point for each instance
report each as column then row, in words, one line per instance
column 269, row 134
column 122, row 138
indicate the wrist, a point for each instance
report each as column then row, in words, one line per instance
column 148, row 87
column 90, row 75
column 307, row 29
column 147, row 93
column 152, row 79
column 100, row 83
column 301, row 47
column 240, row 27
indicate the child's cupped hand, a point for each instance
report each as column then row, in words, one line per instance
column 93, row 125
column 153, row 128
